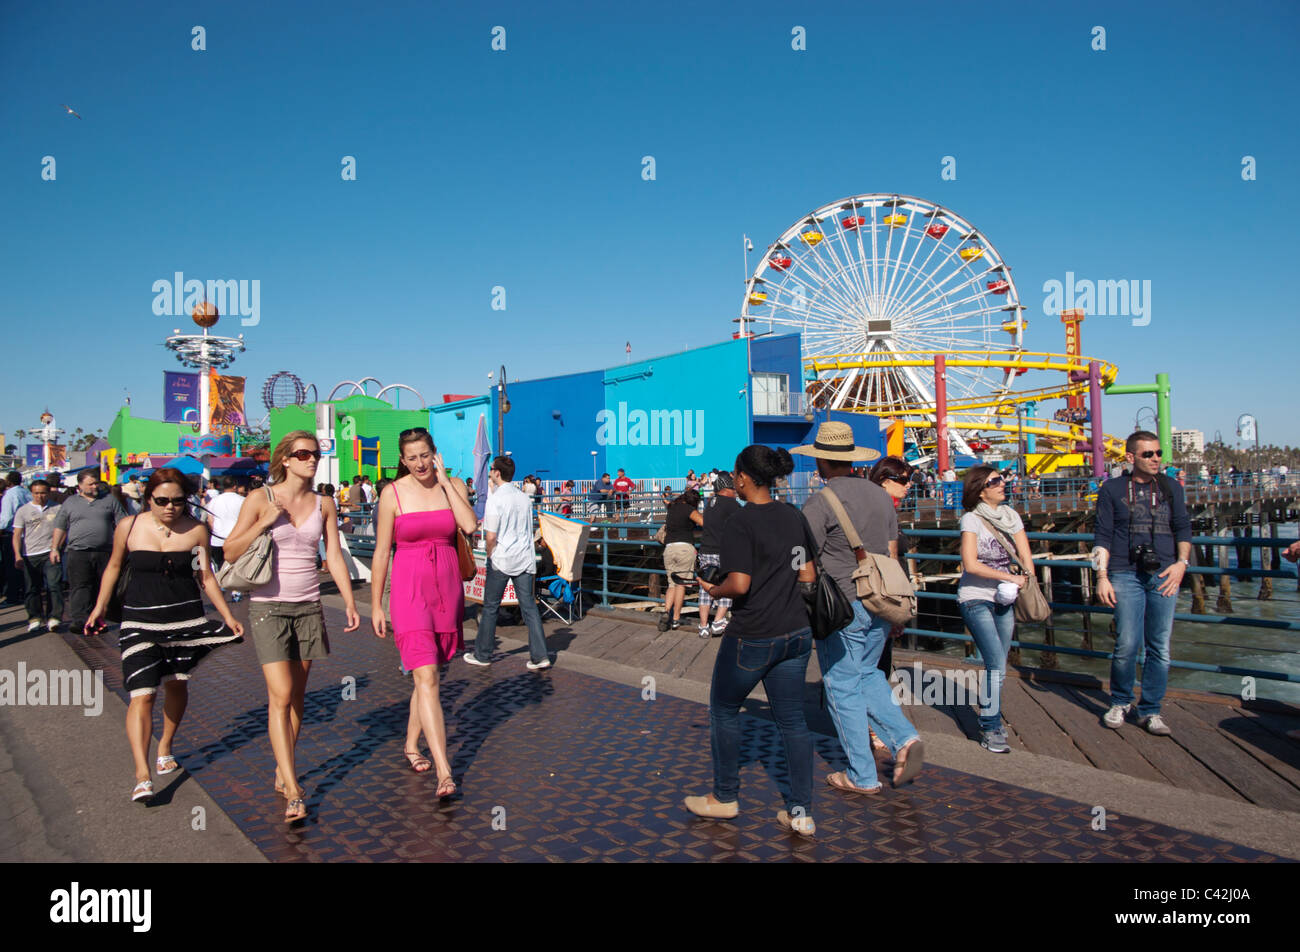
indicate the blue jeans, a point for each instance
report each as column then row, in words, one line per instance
column 494, row 586
column 780, row 663
column 44, row 577
column 1142, row 615
column 857, row 691
column 992, row 626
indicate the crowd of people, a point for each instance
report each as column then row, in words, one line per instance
column 145, row 554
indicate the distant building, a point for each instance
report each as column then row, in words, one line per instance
column 1188, row 442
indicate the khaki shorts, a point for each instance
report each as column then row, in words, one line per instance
column 679, row 558
column 288, row 631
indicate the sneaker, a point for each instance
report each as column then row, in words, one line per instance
column 706, row 631
column 1155, row 724
column 33, row 625
column 470, row 659
column 994, row 742
column 719, row 626
column 1114, row 718
column 538, row 665
column 664, row 622
column 53, row 625
column 677, row 623
column 803, row 825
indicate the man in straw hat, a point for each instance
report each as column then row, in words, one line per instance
column 857, row 692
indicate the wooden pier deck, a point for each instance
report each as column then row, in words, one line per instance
column 1221, row 746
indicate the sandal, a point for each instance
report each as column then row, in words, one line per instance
column 143, row 791
column 418, row 762
column 841, row 781
column 908, row 762
column 295, row 809
column 446, row 787
column 166, row 764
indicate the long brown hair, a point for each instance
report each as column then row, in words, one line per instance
column 414, row 435
column 973, row 485
column 161, row 477
column 282, row 449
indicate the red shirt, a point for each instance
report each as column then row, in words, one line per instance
column 623, row 485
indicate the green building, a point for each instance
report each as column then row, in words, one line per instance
column 355, row 418
column 134, row 436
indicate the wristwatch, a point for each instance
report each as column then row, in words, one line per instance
column 1186, row 562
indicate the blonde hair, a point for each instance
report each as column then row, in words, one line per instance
column 282, row 449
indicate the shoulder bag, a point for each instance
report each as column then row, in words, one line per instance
column 253, row 568
column 883, row 587
column 464, row 551
column 1031, row 604
column 113, row 610
column 828, row 610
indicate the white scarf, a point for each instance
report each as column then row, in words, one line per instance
column 1004, row 517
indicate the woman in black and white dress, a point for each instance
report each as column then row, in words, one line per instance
column 164, row 632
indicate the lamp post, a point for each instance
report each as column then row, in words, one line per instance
column 503, row 407
column 205, row 352
column 593, row 468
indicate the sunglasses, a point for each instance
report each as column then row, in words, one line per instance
column 412, row 432
column 1147, row 454
column 993, row 481
column 168, row 500
column 897, row 479
column 304, row 455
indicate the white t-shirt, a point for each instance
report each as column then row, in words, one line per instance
column 972, row 588
column 367, row 492
column 509, row 514
column 225, row 511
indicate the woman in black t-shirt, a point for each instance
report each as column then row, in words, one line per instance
column 767, row 561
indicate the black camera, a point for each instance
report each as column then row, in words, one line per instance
column 1144, row 558
column 712, row 574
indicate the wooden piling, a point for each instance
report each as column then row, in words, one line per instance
column 1049, row 631
column 1198, row 584
column 1224, row 605
column 1267, row 530
column 1086, row 589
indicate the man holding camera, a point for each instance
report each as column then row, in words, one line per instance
column 1141, row 520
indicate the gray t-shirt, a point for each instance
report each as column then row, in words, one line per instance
column 971, row 587
column 38, row 527
column 89, row 523
column 872, row 513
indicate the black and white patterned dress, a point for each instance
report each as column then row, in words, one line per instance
column 164, row 633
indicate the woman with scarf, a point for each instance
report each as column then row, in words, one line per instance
column 989, row 585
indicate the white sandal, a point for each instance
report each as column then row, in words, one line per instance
column 143, row 791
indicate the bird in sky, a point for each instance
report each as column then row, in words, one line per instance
column 71, row 111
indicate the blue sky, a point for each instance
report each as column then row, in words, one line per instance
column 522, row 169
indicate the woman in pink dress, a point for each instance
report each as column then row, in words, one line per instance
column 421, row 511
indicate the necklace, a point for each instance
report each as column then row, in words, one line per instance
column 162, row 528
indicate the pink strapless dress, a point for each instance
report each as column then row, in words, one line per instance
column 427, row 599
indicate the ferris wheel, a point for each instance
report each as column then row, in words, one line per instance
column 888, row 281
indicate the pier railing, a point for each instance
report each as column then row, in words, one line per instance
column 607, row 538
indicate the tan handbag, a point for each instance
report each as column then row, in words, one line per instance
column 882, row 586
column 1031, row 604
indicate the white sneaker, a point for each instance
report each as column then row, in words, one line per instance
column 1155, row 724
column 718, row 627
column 33, row 625
column 538, row 665
column 470, row 659
column 54, row 624
column 1114, row 718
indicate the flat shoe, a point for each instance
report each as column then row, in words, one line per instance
column 702, row 806
column 909, row 762
column 803, row 825
column 143, row 791
column 166, row 764
column 841, row 781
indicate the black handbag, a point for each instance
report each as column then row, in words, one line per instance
column 113, row 610
column 829, row 610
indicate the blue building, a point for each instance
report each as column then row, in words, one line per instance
column 655, row 418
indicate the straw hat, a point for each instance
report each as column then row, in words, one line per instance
column 835, row 441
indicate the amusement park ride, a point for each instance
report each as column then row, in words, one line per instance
column 908, row 312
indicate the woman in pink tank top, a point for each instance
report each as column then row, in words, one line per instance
column 421, row 511
column 285, row 615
